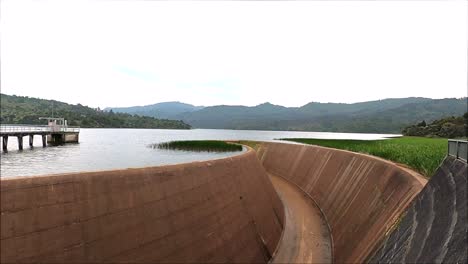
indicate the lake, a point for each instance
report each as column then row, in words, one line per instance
column 104, row 149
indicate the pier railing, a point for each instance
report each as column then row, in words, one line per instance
column 11, row 128
column 458, row 149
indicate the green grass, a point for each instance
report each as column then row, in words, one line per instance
column 421, row 154
column 198, row 145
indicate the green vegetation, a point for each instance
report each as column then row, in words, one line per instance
column 421, row 154
column 199, row 145
column 449, row 127
column 26, row 110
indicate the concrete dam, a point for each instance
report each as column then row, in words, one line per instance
column 281, row 203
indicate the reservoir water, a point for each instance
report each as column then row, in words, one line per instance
column 104, row 149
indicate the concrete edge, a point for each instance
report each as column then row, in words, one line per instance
column 280, row 241
column 416, row 175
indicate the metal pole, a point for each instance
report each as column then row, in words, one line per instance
column 448, row 147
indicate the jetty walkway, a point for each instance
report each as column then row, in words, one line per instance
column 50, row 134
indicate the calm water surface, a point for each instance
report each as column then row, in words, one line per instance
column 103, row 149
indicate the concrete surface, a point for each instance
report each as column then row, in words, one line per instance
column 434, row 229
column 227, row 211
column 306, row 237
column 223, row 210
column 361, row 196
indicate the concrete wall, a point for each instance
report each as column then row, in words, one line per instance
column 360, row 196
column 72, row 137
column 215, row 211
column 434, row 229
column 60, row 138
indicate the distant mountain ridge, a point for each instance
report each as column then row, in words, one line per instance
column 165, row 110
column 380, row 116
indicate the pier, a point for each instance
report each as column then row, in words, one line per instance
column 56, row 132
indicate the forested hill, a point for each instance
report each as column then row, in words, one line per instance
column 26, row 110
column 169, row 110
column 382, row 116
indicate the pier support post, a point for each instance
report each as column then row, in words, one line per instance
column 5, row 143
column 31, row 140
column 44, row 141
column 20, row 142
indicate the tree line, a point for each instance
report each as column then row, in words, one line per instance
column 27, row 110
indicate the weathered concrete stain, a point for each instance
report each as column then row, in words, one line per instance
column 216, row 211
column 434, row 228
column 361, row 196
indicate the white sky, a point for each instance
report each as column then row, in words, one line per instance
column 124, row 53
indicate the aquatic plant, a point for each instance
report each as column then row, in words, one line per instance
column 199, row 145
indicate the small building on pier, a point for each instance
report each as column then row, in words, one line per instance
column 56, row 132
column 60, row 132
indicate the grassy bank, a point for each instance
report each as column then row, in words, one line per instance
column 199, row 145
column 422, row 154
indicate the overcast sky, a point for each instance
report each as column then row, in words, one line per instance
column 124, row 53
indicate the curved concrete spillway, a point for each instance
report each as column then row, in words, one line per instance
column 223, row 210
column 360, row 196
column 339, row 204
